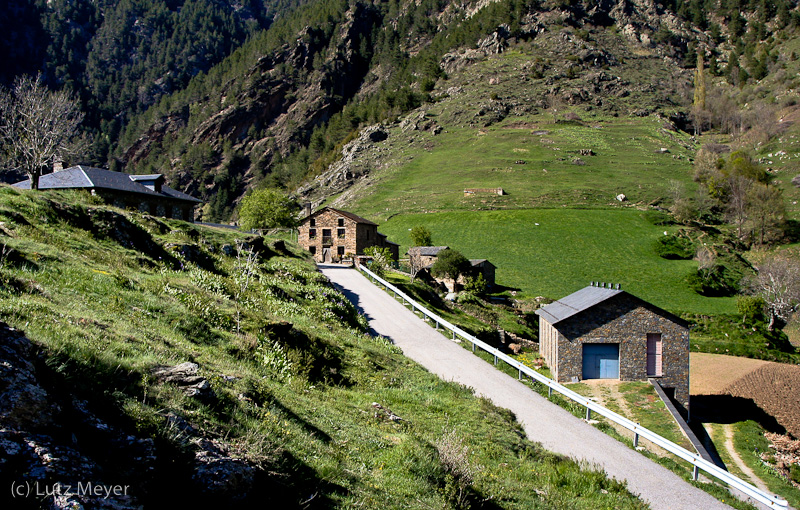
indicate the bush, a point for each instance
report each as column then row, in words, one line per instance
column 658, row 218
column 475, row 284
column 715, row 281
column 420, row 236
column 751, row 308
column 673, row 247
column 450, row 264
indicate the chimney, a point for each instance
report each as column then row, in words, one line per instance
column 58, row 165
column 307, row 209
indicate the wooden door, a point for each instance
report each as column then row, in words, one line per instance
column 654, row 358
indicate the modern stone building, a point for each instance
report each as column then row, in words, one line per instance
column 145, row 193
column 601, row 332
column 331, row 235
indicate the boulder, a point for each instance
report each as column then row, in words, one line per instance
column 185, row 376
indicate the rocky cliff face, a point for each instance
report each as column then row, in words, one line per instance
column 275, row 106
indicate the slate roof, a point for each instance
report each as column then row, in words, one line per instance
column 427, row 251
column 354, row 217
column 88, row 177
column 575, row 303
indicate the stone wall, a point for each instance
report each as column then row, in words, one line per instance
column 626, row 320
column 312, row 236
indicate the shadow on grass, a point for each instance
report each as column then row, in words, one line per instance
column 727, row 409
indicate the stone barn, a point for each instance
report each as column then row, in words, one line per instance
column 331, row 235
column 146, row 193
column 601, row 332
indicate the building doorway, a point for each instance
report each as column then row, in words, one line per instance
column 601, row 361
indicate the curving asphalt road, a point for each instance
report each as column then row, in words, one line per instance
column 544, row 422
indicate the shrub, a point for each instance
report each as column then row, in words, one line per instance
column 751, row 308
column 381, row 259
column 658, row 218
column 420, row 236
column 715, row 281
column 475, row 284
column 673, row 247
column 450, row 264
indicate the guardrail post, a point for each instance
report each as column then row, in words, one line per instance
column 437, row 325
column 696, row 461
column 519, row 374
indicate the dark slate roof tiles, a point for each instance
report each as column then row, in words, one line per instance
column 575, row 303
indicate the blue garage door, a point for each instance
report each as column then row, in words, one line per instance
column 601, row 361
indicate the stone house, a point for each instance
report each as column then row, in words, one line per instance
column 421, row 258
column 601, row 332
column 145, row 193
column 332, row 234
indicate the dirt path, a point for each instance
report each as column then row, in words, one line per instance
column 734, row 455
column 544, row 422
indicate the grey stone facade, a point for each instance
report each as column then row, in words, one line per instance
column 616, row 317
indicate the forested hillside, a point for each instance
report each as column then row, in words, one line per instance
column 120, row 57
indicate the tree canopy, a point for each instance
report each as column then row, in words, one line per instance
column 450, row 264
column 420, row 236
column 267, row 208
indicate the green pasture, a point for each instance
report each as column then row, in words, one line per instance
column 538, row 163
column 566, row 250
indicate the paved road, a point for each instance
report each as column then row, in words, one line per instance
column 544, row 422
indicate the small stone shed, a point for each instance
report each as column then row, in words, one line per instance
column 145, row 193
column 600, row 332
column 332, row 234
column 423, row 257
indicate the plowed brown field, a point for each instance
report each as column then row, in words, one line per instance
column 773, row 387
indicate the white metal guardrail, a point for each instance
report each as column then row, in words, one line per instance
column 694, row 459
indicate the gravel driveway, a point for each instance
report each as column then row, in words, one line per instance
column 544, row 422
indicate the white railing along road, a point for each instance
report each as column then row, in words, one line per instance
column 696, row 460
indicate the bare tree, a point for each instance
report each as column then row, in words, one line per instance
column 37, row 127
column 778, row 282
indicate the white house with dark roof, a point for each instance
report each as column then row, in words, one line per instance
column 145, row 193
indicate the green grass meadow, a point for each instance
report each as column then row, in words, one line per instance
column 534, row 169
column 553, row 252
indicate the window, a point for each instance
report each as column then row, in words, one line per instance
column 313, row 250
column 312, row 233
column 341, row 222
column 340, row 250
column 313, row 222
column 340, row 233
column 654, row 358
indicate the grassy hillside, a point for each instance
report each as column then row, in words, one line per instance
column 553, row 252
column 299, row 392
